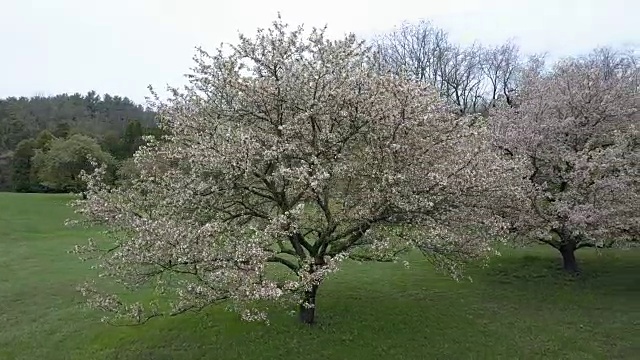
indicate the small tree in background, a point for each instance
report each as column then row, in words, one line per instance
column 293, row 150
column 59, row 168
column 578, row 126
column 21, row 165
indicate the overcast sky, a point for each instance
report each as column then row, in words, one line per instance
column 121, row 46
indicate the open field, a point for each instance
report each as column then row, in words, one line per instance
column 522, row 307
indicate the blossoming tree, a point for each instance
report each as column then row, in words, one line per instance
column 578, row 126
column 290, row 151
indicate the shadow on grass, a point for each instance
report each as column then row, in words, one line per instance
column 522, row 306
column 605, row 269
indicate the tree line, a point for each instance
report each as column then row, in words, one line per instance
column 46, row 141
column 476, row 77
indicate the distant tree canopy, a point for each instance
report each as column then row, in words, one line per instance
column 22, row 177
column 59, row 168
column 44, row 139
column 22, row 118
column 122, row 147
column 29, row 126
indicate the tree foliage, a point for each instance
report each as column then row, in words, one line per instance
column 22, row 177
column 471, row 78
column 292, row 149
column 64, row 115
column 22, row 118
column 59, row 167
column 43, row 140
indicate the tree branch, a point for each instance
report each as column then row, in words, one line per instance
column 285, row 262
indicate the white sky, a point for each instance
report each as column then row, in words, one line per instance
column 121, row 46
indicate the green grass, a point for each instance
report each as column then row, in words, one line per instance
column 521, row 307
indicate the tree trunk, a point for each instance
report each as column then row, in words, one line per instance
column 308, row 307
column 569, row 262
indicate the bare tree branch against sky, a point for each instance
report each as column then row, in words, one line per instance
column 121, row 46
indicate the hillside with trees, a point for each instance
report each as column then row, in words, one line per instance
column 107, row 126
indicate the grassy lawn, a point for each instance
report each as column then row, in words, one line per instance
column 521, row 307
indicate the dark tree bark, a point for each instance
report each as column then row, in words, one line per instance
column 569, row 263
column 308, row 314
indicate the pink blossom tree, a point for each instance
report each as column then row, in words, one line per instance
column 578, row 126
column 290, row 151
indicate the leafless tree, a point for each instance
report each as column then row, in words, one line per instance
column 499, row 65
column 424, row 53
column 617, row 63
column 469, row 77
